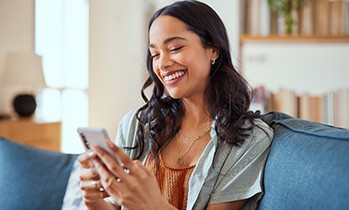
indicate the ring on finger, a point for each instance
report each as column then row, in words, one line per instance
column 101, row 195
column 95, row 184
column 110, row 181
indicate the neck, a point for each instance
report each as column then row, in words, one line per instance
column 196, row 115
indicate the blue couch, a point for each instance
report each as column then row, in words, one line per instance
column 307, row 168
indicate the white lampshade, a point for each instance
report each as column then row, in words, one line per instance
column 24, row 69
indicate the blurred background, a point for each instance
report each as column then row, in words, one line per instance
column 90, row 55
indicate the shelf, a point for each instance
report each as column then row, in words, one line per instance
column 43, row 135
column 298, row 39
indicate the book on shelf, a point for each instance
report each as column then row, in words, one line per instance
column 284, row 101
column 339, row 17
column 259, row 99
column 322, row 17
column 343, row 107
column 255, row 19
column 311, row 17
column 331, row 108
column 306, row 20
column 304, row 106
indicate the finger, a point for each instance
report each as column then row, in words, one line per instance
column 109, row 181
column 112, row 186
column 124, row 158
column 94, row 185
column 88, row 174
column 107, row 164
column 93, row 196
column 84, row 159
column 135, row 167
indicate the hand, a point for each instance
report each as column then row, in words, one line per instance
column 89, row 178
column 132, row 185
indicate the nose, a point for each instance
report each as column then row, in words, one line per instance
column 164, row 61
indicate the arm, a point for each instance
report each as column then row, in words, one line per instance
column 135, row 188
column 101, row 204
column 234, row 205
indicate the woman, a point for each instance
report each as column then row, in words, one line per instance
column 194, row 144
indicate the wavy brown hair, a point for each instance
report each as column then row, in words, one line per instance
column 227, row 94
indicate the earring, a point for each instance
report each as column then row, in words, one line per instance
column 213, row 61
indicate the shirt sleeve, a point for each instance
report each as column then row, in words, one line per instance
column 126, row 133
column 242, row 173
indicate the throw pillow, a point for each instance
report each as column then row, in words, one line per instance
column 31, row 178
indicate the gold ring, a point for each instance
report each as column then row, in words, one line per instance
column 110, row 181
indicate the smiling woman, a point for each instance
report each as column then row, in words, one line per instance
column 194, row 144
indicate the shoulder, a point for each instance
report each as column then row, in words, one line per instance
column 256, row 144
column 261, row 132
column 259, row 139
column 127, row 128
column 129, row 117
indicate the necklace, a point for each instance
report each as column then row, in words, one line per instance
column 180, row 160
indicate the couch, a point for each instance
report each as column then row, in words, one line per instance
column 307, row 168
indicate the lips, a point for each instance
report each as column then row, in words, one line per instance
column 173, row 75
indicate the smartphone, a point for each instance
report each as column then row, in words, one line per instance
column 95, row 137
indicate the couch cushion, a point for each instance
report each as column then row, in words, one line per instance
column 307, row 167
column 31, row 178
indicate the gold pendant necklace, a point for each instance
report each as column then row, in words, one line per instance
column 180, row 160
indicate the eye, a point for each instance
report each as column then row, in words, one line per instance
column 175, row 49
column 155, row 55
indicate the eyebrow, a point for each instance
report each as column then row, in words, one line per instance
column 168, row 40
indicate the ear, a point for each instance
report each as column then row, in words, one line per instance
column 214, row 55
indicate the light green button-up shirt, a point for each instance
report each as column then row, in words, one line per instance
column 224, row 173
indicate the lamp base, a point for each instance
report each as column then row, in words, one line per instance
column 24, row 105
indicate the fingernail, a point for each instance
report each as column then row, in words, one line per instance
column 109, row 143
column 96, row 149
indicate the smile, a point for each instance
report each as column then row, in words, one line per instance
column 173, row 76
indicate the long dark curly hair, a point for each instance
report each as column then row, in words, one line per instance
column 227, row 94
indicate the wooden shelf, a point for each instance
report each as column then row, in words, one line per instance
column 43, row 135
column 298, row 39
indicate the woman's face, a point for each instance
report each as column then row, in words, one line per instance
column 179, row 58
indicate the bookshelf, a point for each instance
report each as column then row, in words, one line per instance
column 294, row 18
column 302, row 73
column 308, row 39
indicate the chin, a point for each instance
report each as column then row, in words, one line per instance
column 174, row 95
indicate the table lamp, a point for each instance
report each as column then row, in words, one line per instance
column 24, row 70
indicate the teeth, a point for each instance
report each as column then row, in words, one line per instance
column 174, row 76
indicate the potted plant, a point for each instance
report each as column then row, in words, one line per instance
column 286, row 9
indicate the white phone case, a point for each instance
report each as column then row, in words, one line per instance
column 95, row 137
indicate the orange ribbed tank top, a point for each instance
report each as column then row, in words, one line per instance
column 173, row 182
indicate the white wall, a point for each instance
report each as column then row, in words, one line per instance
column 16, row 25
column 315, row 68
column 16, row 34
column 117, row 60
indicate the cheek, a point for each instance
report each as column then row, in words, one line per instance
column 157, row 72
